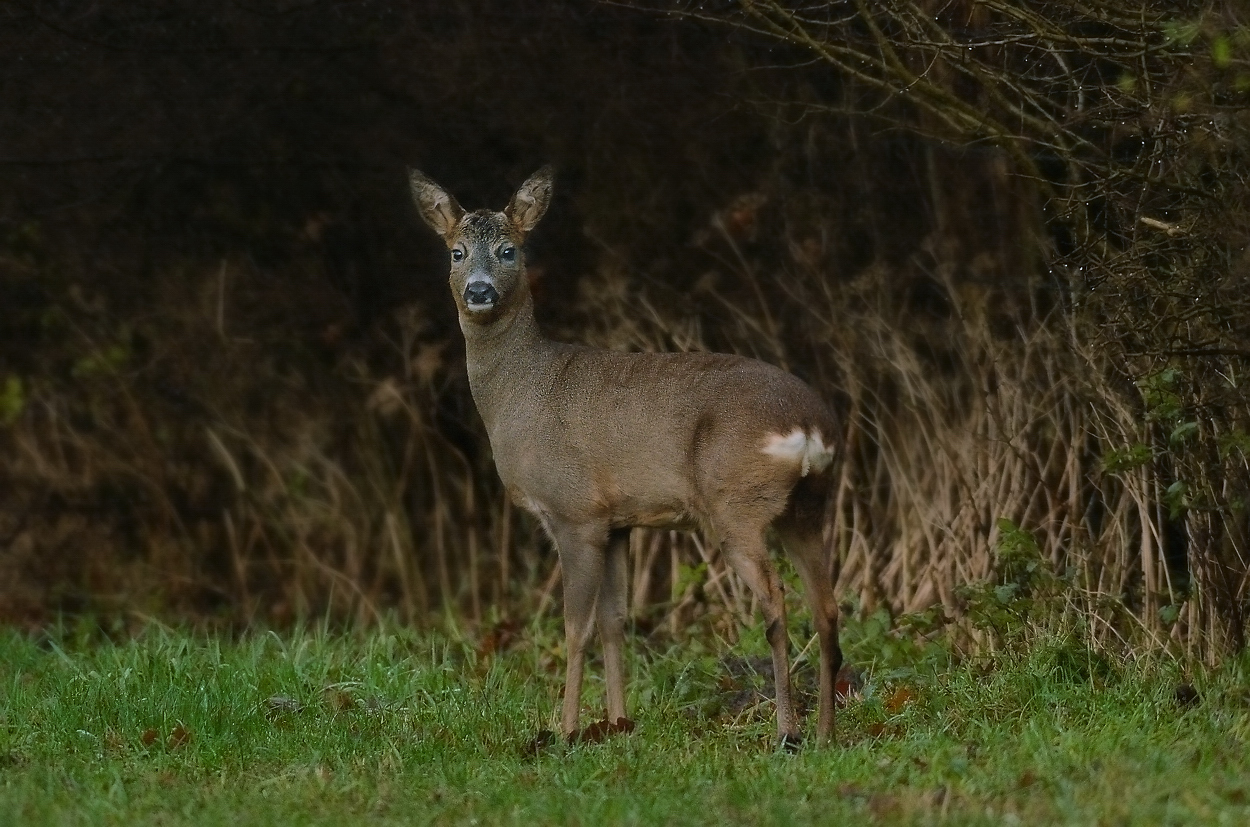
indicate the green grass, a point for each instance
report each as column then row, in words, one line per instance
column 398, row 727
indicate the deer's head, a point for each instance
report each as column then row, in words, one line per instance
column 485, row 247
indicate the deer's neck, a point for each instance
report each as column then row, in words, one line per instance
column 503, row 359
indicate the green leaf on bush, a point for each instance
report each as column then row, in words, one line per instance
column 1183, row 32
column 1169, row 614
column 1221, row 52
column 1119, row 460
column 1176, row 497
column 1161, row 395
column 688, row 576
column 1183, row 432
column 1235, row 442
column 12, row 400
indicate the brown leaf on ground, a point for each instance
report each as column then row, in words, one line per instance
column 179, row 737
column 499, row 638
column 848, row 684
column 901, row 697
column 600, row 731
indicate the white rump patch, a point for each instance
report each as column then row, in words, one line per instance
column 810, row 451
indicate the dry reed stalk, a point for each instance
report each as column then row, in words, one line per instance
column 504, row 550
column 237, row 565
column 547, row 593
column 440, row 545
column 412, row 587
column 644, row 566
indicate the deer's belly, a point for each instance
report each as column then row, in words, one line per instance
column 584, row 495
column 627, row 513
column 656, row 515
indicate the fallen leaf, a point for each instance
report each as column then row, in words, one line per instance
column 499, row 638
column 180, row 736
column 901, row 697
column 848, row 684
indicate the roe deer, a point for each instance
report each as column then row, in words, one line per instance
column 594, row 442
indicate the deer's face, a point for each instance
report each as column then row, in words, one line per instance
column 487, row 265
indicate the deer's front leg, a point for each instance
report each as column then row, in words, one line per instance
column 581, row 550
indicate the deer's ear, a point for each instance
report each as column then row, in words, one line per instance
column 437, row 207
column 531, row 200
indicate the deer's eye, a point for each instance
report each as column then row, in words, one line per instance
column 507, row 253
column 457, row 254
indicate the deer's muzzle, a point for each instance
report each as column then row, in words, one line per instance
column 480, row 295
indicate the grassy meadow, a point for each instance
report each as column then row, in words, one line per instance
column 393, row 726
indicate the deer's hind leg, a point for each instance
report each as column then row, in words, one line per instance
column 611, row 608
column 748, row 554
column 800, row 530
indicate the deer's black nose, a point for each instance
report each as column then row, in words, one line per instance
column 480, row 294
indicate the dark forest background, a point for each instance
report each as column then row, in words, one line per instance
column 1006, row 239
